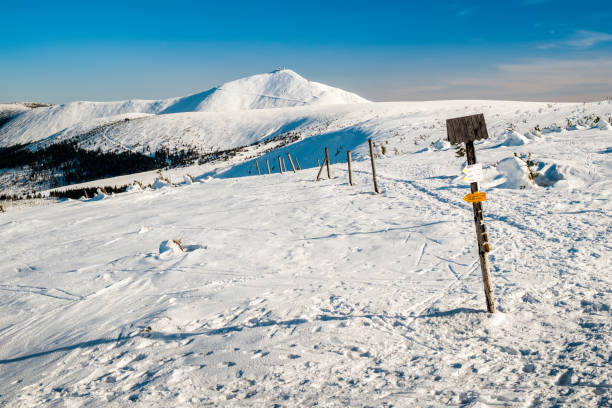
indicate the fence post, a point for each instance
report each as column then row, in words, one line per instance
column 291, row 162
column 327, row 161
column 350, row 168
column 258, row 171
column 297, row 162
column 268, row 163
column 373, row 166
column 320, row 170
column 284, row 165
column 280, row 165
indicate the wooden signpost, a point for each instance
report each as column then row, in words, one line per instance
column 466, row 130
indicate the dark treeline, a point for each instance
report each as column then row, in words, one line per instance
column 87, row 192
column 66, row 163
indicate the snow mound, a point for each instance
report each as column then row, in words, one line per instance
column 603, row 125
column 514, row 138
column 440, row 144
column 549, row 175
column 515, row 173
column 170, row 248
column 160, row 183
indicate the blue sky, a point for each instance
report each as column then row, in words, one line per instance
column 382, row 50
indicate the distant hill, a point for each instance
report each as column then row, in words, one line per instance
column 278, row 89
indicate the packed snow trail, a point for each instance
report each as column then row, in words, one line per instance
column 296, row 293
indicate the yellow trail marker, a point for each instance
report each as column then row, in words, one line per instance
column 475, row 197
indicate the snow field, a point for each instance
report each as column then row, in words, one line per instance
column 296, row 293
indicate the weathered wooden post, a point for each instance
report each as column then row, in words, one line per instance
column 280, row 165
column 291, row 162
column 350, row 169
column 327, row 161
column 297, row 162
column 320, row 170
column 268, row 164
column 466, row 130
column 373, row 166
column 258, row 171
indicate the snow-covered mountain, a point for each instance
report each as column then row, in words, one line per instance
column 278, row 89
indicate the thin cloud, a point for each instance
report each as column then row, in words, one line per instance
column 528, row 80
column 582, row 39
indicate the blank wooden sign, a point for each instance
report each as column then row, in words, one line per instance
column 466, row 129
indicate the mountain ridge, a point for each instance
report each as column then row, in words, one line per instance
column 277, row 89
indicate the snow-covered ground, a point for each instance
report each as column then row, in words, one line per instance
column 291, row 292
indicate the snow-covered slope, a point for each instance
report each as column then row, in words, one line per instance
column 281, row 88
column 290, row 292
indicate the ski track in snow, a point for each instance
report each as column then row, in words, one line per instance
column 295, row 293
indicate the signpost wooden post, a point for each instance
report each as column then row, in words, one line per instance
column 466, row 130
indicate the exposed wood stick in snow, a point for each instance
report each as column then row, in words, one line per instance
column 291, row 162
column 258, row 171
column 297, row 162
column 268, row 164
column 327, row 161
column 373, row 166
column 350, row 169
column 280, row 165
